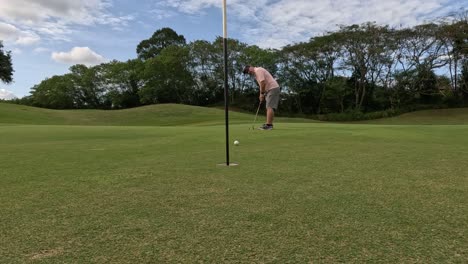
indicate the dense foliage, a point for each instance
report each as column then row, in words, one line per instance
column 355, row 69
column 6, row 67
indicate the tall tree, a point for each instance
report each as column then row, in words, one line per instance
column 300, row 75
column 167, row 78
column 420, row 47
column 364, row 56
column 162, row 38
column 56, row 92
column 464, row 77
column 204, row 65
column 122, row 82
column 326, row 55
column 235, row 64
column 454, row 36
column 6, row 67
column 88, row 85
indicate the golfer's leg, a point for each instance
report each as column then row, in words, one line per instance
column 270, row 115
column 272, row 100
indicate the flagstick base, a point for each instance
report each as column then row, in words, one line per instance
column 230, row 164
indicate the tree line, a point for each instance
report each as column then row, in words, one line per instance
column 6, row 67
column 357, row 68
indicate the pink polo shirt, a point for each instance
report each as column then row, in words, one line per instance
column 262, row 74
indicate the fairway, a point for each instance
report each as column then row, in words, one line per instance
column 151, row 191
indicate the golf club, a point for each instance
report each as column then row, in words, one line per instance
column 255, row 120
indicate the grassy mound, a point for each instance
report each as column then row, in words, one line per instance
column 152, row 115
column 179, row 115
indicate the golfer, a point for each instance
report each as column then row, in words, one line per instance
column 269, row 90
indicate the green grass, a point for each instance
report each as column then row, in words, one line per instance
column 305, row 192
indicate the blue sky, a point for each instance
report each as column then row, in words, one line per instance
column 46, row 37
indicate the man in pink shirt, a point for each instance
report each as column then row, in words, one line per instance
column 269, row 90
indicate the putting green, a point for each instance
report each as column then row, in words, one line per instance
column 304, row 192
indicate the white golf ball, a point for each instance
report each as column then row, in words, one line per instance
column 236, row 142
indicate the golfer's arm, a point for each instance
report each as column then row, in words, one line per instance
column 262, row 87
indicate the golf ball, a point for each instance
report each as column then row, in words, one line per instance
column 236, row 142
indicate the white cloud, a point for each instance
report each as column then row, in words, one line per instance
column 275, row 23
column 27, row 38
column 79, row 55
column 162, row 14
column 12, row 34
column 8, row 31
column 41, row 50
column 31, row 12
column 6, row 95
column 193, row 6
column 56, row 19
column 17, row 51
